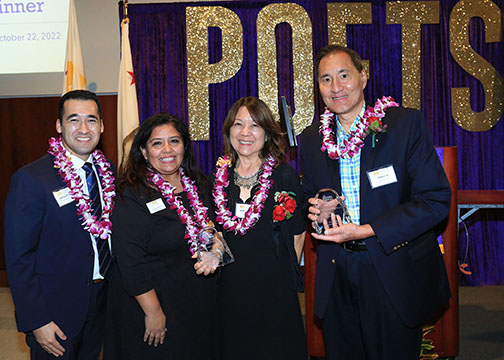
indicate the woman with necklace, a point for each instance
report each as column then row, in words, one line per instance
column 257, row 202
column 156, row 299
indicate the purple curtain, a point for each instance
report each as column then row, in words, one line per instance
column 158, row 35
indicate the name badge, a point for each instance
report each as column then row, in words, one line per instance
column 62, row 196
column 382, row 176
column 241, row 209
column 156, row 205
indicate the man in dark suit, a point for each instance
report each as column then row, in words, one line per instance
column 382, row 276
column 57, row 237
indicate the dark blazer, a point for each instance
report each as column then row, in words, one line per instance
column 49, row 255
column 404, row 251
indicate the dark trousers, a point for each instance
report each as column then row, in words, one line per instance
column 360, row 322
column 87, row 344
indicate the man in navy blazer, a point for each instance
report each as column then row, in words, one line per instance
column 381, row 277
column 54, row 274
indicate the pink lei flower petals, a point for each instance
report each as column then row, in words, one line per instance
column 97, row 227
column 355, row 141
column 253, row 214
column 193, row 223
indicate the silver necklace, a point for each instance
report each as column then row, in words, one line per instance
column 246, row 181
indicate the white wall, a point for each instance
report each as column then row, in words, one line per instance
column 99, row 33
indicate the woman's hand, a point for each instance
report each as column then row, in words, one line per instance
column 155, row 319
column 209, row 261
column 155, row 327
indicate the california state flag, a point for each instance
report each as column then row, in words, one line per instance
column 75, row 77
column 127, row 107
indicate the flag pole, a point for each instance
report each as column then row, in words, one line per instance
column 74, row 76
column 127, row 105
column 125, row 11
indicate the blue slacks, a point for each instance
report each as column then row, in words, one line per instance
column 87, row 344
column 360, row 322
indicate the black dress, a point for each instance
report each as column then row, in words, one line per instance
column 258, row 306
column 151, row 252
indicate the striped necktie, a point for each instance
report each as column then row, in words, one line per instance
column 104, row 256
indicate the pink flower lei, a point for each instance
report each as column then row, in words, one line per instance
column 369, row 123
column 193, row 223
column 97, row 227
column 252, row 215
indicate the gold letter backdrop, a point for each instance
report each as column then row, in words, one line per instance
column 341, row 15
column 297, row 17
column 475, row 65
column 410, row 15
column 200, row 74
column 445, row 57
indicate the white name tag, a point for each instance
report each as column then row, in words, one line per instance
column 62, row 196
column 241, row 209
column 382, row 176
column 156, row 205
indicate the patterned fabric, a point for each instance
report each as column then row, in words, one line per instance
column 93, row 191
column 104, row 256
column 350, row 173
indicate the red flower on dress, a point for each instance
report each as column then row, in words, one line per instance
column 285, row 207
column 290, row 205
column 278, row 213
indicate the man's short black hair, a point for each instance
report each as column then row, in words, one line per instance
column 77, row 95
column 329, row 49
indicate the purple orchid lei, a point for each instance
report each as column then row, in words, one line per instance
column 194, row 223
column 369, row 123
column 252, row 215
column 97, row 227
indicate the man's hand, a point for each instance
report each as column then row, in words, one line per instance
column 314, row 209
column 321, row 210
column 344, row 232
column 46, row 337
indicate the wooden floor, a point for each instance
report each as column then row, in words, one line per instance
column 481, row 325
column 12, row 344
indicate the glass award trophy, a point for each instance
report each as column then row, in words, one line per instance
column 212, row 249
column 329, row 202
